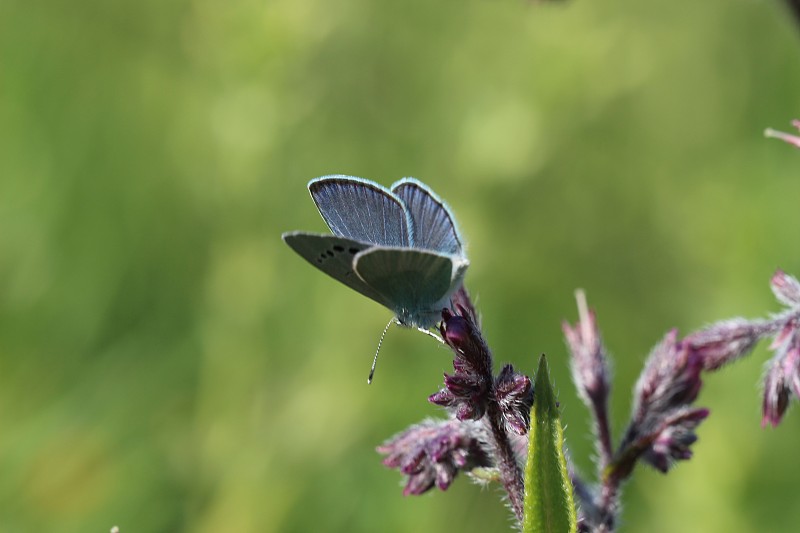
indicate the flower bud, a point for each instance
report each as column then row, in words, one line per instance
column 514, row 394
column 786, row 288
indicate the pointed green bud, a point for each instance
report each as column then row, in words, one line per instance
column 549, row 503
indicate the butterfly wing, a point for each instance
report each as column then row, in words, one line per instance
column 361, row 210
column 415, row 283
column 433, row 225
column 334, row 256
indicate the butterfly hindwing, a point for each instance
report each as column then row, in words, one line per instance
column 433, row 226
column 415, row 281
column 361, row 210
column 334, row 256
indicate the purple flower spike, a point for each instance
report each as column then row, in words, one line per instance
column 588, row 362
column 786, row 288
column 591, row 374
column 467, row 391
column 433, row 453
column 725, row 341
column 514, row 394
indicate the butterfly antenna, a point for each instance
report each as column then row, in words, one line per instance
column 380, row 342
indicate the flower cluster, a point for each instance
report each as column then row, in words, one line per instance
column 514, row 394
column 663, row 423
column 471, row 387
column 671, row 440
column 491, row 415
column 434, row 452
column 501, row 405
column 467, row 390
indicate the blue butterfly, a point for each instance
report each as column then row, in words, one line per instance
column 398, row 246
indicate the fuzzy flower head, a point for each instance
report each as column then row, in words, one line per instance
column 673, row 438
column 514, row 393
column 433, row 453
column 467, row 389
column 670, row 379
column 663, row 422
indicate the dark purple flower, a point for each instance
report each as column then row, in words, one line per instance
column 467, row 390
column 462, row 302
column 672, row 440
column 465, row 394
column 663, row 423
column 725, row 341
column 434, row 452
column 514, row 394
column 670, row 379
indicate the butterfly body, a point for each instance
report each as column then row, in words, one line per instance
column 399, row 246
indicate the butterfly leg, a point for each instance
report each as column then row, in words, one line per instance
column 429, row 333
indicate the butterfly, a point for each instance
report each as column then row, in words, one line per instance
column 399, row 247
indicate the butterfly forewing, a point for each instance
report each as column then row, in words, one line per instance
column 414, row 281
column 432, row 222
column 334, row 256
column 361, row 210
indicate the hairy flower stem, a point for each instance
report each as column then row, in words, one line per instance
column 604, row 446
column 609, row 502
column 510, row 472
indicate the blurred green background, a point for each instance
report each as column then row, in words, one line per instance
column 168, row 364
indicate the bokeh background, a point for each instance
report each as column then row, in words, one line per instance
column 167, row 364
